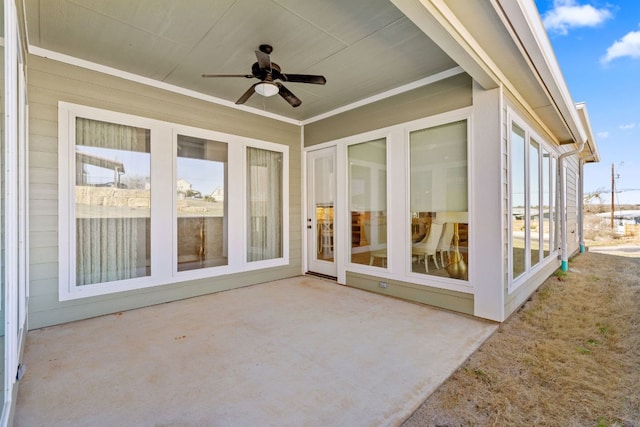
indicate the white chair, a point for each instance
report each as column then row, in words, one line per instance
column 444, row 245
column 427, row 247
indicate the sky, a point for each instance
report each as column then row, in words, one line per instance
column 597, row 45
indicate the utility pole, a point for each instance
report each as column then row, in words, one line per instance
column 613, row 193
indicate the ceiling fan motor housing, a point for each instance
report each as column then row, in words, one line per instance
column 268, row 73
column 265, row 74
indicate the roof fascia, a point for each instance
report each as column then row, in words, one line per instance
column 523, row 20
column 581, row 108
column 437, row 21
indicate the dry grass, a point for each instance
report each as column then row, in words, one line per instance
column 569, row 357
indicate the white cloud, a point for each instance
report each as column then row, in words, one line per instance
column 629, row 45
column 567, row 14
column 603, row 135
column 628, row 126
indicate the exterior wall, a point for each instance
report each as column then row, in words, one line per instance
column 487, row 162
column 522, row 293
column 442, row 96
column 573, row 234
column 50, row 82
column 519, row 295
column 450, row 300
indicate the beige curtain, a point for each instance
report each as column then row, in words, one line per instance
column 106, row 233
column 264, row 197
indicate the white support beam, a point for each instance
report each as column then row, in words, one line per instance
column 437, row 21
column 487, row 225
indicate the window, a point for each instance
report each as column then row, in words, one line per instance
column 532, row 195
column 201, row 167
column 146, row 203
column 535, row 216
column 547, row 204
column 368, row 202
column 518, row 208
column 264, row 201
column 112, row 202
column 439, row 200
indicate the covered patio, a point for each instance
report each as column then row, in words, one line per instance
column 293, row 352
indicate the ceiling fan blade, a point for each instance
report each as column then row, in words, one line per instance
column 263, row 60
column 248, row 76
column 288, row 96
column 303, row 78
column 245, row 96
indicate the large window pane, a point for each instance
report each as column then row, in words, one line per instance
column 3, row 254
column 201, row 167
column 534, row 202
column 368, row 202
column 264, row 204
column 112, row 196
column 553, row 203
column 518, row 211
column 546, row 203
column 439, row 201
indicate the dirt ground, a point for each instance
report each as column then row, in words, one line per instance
column 569, row 357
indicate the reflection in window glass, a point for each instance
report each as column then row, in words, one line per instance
column 518, row 211
column 439, row 201
column 2, row 217
column 323, row 194
column 264, row 204
column 368, row 202
column 113, row 200
column 201, row 211
column 546, row 204
column 534, row 202
column 553, row 203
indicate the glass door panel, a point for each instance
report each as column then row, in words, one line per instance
column 368, row 202
column 320, row 219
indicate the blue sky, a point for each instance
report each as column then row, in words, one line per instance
column 597, row 44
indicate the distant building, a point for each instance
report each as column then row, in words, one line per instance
column 217, row 195
column 183, row 186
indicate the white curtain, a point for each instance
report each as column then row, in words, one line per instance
column 106, row 250
column 107, row 241
column 264, row 197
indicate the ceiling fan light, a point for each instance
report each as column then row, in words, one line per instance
column 266, row 89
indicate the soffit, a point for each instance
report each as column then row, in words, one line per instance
column 362, row 47
column 514, row 63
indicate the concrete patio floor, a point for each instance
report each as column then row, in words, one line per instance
column 294, row 352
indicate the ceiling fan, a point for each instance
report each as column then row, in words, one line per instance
column 269, row 73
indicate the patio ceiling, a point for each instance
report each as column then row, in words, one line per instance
column 362, row 47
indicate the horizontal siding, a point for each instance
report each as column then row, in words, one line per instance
column 51, row 82
column 442, row 298
column 520, row 295
column 445, row 95
column 541, row 273
column 573, row 234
